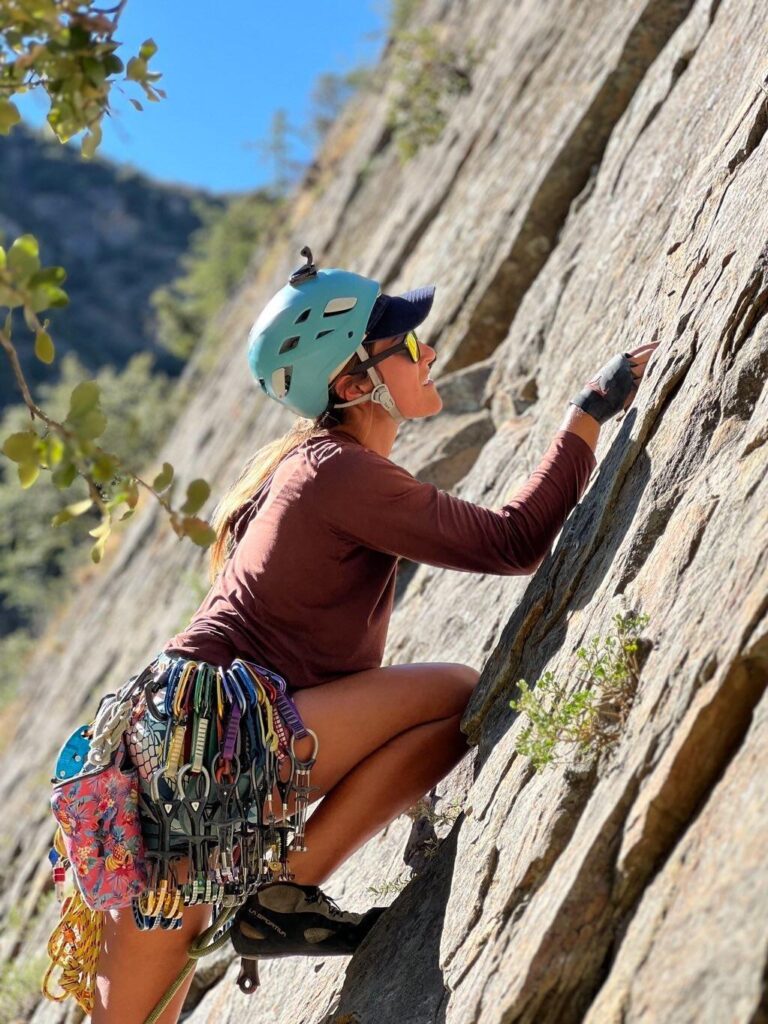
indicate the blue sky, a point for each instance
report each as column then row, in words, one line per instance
column 225, row 76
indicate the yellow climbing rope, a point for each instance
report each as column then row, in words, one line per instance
column 74, row 948
column 75, row 943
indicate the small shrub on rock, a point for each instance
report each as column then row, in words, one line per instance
column 589, row 720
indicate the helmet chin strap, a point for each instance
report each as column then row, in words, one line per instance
column 380, row 394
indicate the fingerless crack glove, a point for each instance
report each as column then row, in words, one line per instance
column 605, row 394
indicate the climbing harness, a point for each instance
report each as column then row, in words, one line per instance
column 191, row 818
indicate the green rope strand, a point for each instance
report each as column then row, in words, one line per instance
column 197, row 950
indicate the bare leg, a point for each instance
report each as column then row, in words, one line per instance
column 375, row 791
column 356, row 715
column 407, row 716
column 137, row 968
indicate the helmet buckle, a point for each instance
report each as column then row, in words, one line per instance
column 383, row 396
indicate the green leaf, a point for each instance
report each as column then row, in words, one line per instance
column 52, row 450
column 79, row 37
column 197, row 495
column 133, row 494
column 61, row 117
column 164, row 478
column 57, row 298
column 104, row 468
column 9, row 116
column 91, row 142
column 127, row 514
column 148, row 49
column 28, row 473
column 85, row 396
column 97, row 551
column 200, row 532
column 44, row 286
column 64, row 475
column 44, row 349
column 77, row 508
column 102, row 530
column 91, row 425
column 60, row 518
column 9, row 298
column 94, row 70
column 22, row 446
column 24, row 258
column 136, row 69
column 112, row 64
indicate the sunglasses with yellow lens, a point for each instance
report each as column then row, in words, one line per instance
column 408, row 343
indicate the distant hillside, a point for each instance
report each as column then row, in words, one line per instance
column 119, row 235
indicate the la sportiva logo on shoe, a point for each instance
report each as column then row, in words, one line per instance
column 272, row 925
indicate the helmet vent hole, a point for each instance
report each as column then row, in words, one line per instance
column 322, row 334
column 281, row 381
column 288, row 344
column 337, row 306
column 302, row 316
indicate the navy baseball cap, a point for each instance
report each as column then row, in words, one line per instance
column 397, row 314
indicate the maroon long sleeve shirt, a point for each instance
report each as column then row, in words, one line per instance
column 309, row 587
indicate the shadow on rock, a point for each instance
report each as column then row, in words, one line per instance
column 395, row 975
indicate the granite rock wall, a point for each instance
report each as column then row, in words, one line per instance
column 601, row 186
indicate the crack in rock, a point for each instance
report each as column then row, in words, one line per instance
column 754, row 137
column 751, row 306
column 566, row 178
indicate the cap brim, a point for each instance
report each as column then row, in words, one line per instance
column 399, row 314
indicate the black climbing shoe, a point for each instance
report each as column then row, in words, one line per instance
column 288, row 919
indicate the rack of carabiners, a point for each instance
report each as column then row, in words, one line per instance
column 227, row 743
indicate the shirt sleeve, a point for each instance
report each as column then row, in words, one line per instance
column 372, row 501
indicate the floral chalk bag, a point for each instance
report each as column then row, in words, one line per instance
column 98, row 852
column 98, row 813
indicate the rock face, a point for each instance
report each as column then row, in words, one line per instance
column 601, row 186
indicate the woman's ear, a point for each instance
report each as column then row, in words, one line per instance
column 349, row 387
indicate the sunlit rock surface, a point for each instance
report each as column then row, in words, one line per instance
column 601, row 186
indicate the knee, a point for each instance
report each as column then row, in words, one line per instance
column 464, row 680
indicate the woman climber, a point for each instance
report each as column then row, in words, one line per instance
column 303, row 578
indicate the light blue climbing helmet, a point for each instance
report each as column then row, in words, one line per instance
column 306, row 334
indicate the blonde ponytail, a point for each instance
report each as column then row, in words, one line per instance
column 253, row 474
column 257, row 469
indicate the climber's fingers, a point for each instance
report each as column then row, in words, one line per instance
column 639, row 360
column 642, row 354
